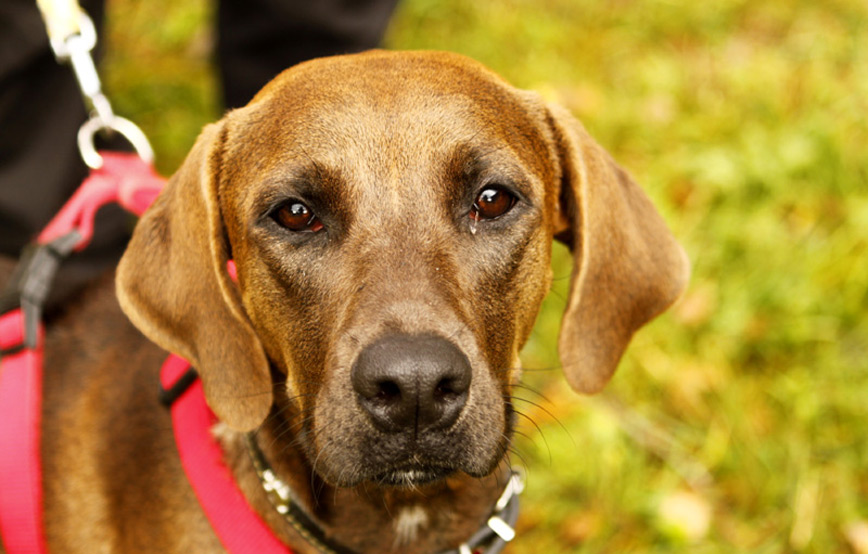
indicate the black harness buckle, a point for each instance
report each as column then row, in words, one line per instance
column 31, row 282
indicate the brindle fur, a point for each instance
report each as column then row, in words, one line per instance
column 390, row 150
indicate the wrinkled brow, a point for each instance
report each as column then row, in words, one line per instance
column 322, row 188
column 472, row 167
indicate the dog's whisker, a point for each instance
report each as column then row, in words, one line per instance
column 539, row 430
column 548, row 413
column 507, row 448
column 541, row 369
column 522, row 434
column 301, row 436
column 524, row 386
column 525, row 466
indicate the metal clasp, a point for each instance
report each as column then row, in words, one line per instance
column 75, row 48
column 124, row 127
column 73, row 39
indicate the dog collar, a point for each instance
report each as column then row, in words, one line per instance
column 238, row 526
column 489, row 539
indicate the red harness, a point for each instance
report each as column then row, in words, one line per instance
column 239, row 528
column 20, row 463
column 126, row 179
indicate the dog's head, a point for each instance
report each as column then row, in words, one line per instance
column 391, row 217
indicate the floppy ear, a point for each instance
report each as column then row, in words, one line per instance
column 173, row 285
column 627, row 267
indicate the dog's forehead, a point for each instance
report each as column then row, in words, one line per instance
column 390, row 81
column 382, row 112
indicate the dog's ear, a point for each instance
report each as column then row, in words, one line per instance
column 173, row 284
column 627, row 266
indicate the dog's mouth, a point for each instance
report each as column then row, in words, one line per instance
column 398, row 463
column 403, row 465
column 413, row 476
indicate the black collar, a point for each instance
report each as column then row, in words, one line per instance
column 489, row 539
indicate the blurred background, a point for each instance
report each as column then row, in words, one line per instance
column 738, row 421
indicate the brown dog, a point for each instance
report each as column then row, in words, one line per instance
column 391, row 218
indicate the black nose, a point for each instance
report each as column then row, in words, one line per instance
column 412, row 382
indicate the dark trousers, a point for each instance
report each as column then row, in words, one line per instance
column 41, row 107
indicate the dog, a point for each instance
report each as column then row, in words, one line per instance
column 390, row 216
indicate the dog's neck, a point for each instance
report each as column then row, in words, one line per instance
column 366, row 518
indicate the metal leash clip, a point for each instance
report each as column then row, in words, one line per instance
column 73, row 37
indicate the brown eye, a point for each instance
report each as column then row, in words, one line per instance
column 295, row 216
column 491, row 203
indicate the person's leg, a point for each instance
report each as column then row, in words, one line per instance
column 257, row 39
column 41, row 109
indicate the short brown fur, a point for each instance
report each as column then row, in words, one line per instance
column 391, row 149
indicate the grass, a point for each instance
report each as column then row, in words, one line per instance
column 736, row 422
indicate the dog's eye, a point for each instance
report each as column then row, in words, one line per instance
column 295, row 216
column 491, row 203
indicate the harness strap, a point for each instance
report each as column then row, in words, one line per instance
column 239, row 528
column 20, row 418
column 123, row 178
column 21, row 338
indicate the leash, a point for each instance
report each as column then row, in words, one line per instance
column 72, row 36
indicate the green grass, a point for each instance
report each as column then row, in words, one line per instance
column 745, row 121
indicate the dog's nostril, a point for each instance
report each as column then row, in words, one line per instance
column 387, row 392
column 445, row 389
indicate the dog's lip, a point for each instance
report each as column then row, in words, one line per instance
column 413, row 475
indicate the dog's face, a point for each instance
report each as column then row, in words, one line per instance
column 391, row 217
column 392, row 237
